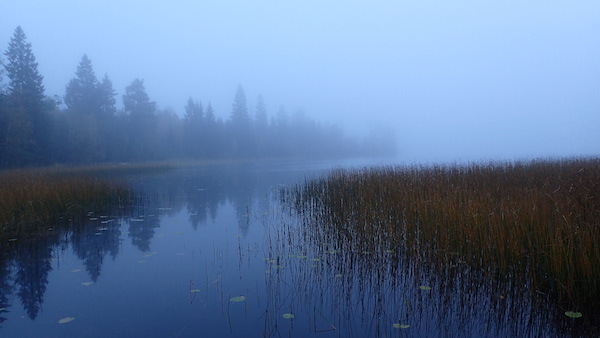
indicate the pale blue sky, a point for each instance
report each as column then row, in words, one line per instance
column 457, row 80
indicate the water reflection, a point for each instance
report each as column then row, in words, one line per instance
column 361, row 286
column 200, row 192
column 197, row 238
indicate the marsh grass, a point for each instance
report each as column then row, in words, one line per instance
column 535, row 221
column 31, row 200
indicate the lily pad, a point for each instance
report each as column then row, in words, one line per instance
column 66, row 320
column 573, row 314
column 288, row 316
column 400, row 326
column 425, row 287
column 237, row 299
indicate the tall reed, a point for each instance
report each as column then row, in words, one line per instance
column 538, row 219
column 33, row 199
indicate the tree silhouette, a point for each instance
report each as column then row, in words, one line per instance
column 142, row 121
column 26, row 130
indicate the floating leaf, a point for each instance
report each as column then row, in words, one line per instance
column 573, row 314
column 400, row 326
column 86, row 283
column 288, row 316
column 237, row 299
column 66, row 320
column 195, row 290
column 425, row 287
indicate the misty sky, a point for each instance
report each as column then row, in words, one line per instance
column 456, row 80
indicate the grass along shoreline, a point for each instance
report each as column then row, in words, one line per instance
column 31, row 200
column 539, row 220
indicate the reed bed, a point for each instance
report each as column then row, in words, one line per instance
column 32, row 200
column 536, row 221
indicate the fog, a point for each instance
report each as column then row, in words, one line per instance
column 454, row 80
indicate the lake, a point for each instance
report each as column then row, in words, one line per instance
column 216, row 252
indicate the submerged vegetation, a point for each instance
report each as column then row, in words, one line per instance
column 531, row 226
column 35, row 199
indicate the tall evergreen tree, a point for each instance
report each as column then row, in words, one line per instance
column 82, row 98
column 82, row 92
column 239, row 114
column 142, row 117
column 3, row 117
column 194, row 131
column 242, row 143
column 27, row 134
column 261, row 125
column 260, row 116
column 107, row 100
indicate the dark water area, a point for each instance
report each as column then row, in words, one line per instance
column 215, row 252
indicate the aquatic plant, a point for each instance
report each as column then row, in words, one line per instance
column 33, row 200
column 535, row 222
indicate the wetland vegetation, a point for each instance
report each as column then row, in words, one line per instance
column 35, row 200
column 526, row 234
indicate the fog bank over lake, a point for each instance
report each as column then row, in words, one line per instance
column 455, row 80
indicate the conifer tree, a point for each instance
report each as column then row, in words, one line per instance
column 142, row 121
column 26, row 135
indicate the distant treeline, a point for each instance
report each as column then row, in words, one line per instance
column 85, row 126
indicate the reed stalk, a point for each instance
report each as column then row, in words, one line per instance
column 32, row 200
column 539, row 219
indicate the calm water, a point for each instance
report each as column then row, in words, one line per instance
column 212, row 252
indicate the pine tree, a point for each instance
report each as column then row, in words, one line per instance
column 27, row 134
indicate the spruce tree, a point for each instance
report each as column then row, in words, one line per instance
column 27, row 134
column 142, row 121
column 82, row 92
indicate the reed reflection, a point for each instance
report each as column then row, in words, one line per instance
column 408, row 246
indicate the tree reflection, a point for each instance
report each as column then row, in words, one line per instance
column 33, row 263
column 93, row 240
column 26, row 263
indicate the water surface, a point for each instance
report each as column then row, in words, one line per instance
column 213, row 252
